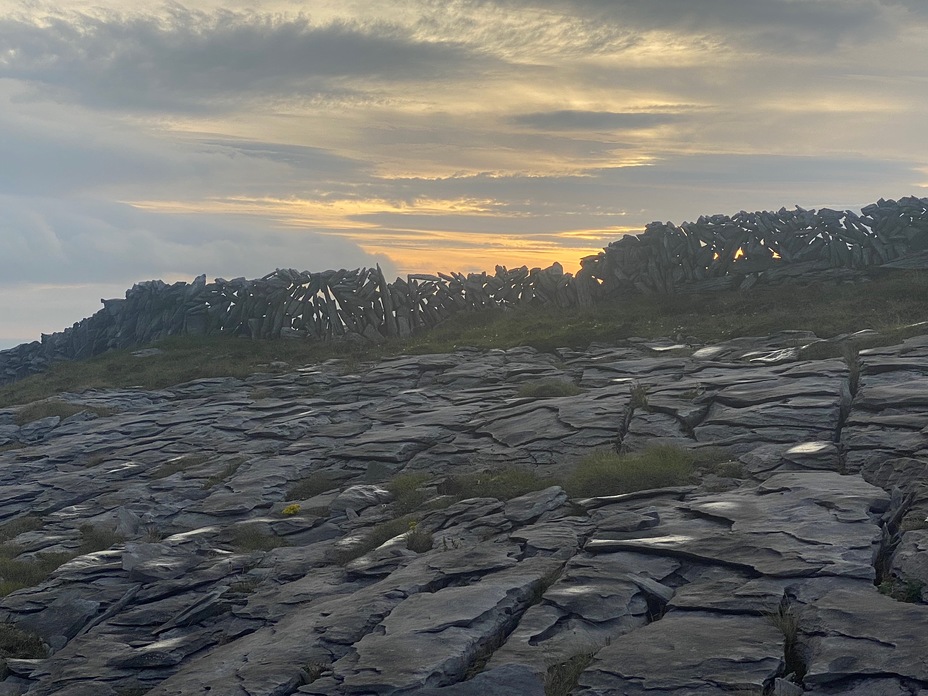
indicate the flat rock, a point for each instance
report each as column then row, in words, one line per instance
column 860, row 633
column 673, row 655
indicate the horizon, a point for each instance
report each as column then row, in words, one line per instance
column 230, row 138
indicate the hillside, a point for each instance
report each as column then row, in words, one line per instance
column 460, row 522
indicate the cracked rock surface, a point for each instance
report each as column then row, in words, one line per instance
column 230, row 505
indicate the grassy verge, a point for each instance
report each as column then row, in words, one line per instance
column 886, row 304
column 18, row 644
column 16, row 574
column 609, row 473
column 54, row 407
column 546, row 388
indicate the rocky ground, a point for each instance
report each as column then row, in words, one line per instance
column 762, row 581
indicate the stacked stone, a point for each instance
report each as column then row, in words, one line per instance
column 716, row 252
column 721, row 252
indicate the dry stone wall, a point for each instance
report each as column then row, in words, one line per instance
column 722, row 252
column 713, row 253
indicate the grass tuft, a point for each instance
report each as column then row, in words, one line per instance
column 18, row 644
column 606, row 472
column 54, row 407
column 95, row 539
column 639, row 396
column 20, row 525
column 902, row 590
column 546, row 388
column 179, row 464
column 503, row 484
column 379, row 534
column 561, row 678
column 408, row 495
column 250, row 537
column 15, row 574
column 417, row 539
column 311, row 486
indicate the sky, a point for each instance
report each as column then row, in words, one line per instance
column 142, row 141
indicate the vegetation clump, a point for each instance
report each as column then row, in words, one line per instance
column 179, row 464
column 417, row 539
column 379, row 534
column 20, row 525
column 408, row 495
column 95, row 539
column 16, row 573
column 902, row 590
column 503, row 484
column 311, row 486
column 607, row 472
column 47, row 408
column 16, row 643
column 547, row 388
column 250, row 537
column 561, row 678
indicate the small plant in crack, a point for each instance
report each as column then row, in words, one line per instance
column 851, row 357
column 639, row 396
column 313, row 670
column 562, row 677
column 786, row 618
column 902, row 590
column 418, row 539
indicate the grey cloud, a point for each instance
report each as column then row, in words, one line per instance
column 197, row 61
column 811, row 25
column 49, row 150
column 592, row 120
column 60, row 241
column 677, row 188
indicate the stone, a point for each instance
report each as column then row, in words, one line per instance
column 183, row 604
column 505, row 680
column 695, row 653
column 910, row 561
column 360, row 497
column 529, row 507
column 861, row 633
column 431, row 639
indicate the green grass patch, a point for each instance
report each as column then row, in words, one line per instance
column 250, row 537
column 608, row 473
column 179, row 464
column 20, row 525
column 561, row 678
column 18, row 644
column 95, row 539
column 547, row 388
column 224, row 474
column 902, row 590
column 311, row 486
column 503, row 484
column 15, row 574
column 378, row 534
column 54, row 407
column 407, row 496
column 417, row 539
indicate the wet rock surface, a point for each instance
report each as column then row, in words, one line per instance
column 209, row 533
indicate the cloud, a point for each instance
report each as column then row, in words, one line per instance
column 779, row 25
column 49, row 149
column 66, row 241
column 570, row 119
column 185, row 60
